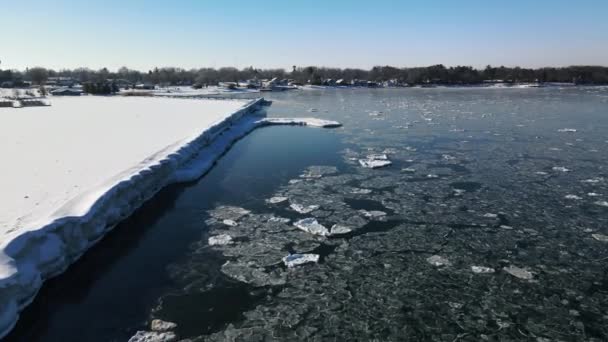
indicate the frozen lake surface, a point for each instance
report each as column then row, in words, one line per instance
column 490, row 223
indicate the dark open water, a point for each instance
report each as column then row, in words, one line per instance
column 513, row 181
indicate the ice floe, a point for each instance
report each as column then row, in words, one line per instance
column 294, row 260
column 520, row 273
column 438, row 261
column 220, row 240
column 600, row 237
column 482, row 269
column 312, row 226
column 374, row 161
column 276, row 199
column 303, row 209
column 153, row 336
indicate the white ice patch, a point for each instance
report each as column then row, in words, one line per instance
column 372, row 213
column 153, row 336
column 560, row 169
column 482, row 269
column 600, row 237
column 312, row 226
column 220, row 240
column 360, row 191
column 159, row 325
column 519, row 272
column 294, row 260
column 564, row 130
column 339, row 229
column 231, row 223
column 374, row 161
column 573, row 197
column 276, row 199
column 602, row 203
column 438, row 261
column 279, row 219
column 303, row 209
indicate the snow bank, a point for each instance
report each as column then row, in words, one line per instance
column 51, row 213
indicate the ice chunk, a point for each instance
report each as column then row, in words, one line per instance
column 276, row 199
column 602, row 203
column 563, row 130
column 374, row 161
column 312, row 226
column 372, row 213
column 360, row 191
column 153, row 336
column 303, row 209
column 519, row 272
column 338, row 229
column 408, row 170
column 438, row 261
column 490, row 215
column 228, row 213
column 318, row 171
column 294, row 260
column 560, row 169
column 279, row 219
column 600, row 237
column 230, row 223
column 593, row 180
column 374, row 164
column 220, row 240
column 159, row 325
column 482, row 269
column 573, row 197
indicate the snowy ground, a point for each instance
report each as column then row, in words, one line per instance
column 51, row 154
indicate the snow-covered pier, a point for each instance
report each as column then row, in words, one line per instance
column 74, row 170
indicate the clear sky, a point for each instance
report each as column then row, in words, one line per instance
column 142, row 34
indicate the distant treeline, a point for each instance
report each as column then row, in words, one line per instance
column 437, row 74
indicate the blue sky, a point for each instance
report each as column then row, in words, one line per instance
column 142, row 34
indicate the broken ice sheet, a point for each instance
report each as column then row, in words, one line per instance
column 294, row 260
column 312, row 226
column 228, row 213
column 303, row 208
column 318, row 171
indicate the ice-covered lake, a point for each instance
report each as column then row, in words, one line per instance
column 489, row 223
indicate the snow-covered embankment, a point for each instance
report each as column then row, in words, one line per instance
column 33, row 250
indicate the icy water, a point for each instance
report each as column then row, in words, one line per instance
column 490, row 223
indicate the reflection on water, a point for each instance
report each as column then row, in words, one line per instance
column 491, row 223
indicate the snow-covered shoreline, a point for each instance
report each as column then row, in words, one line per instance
column 45, row 249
